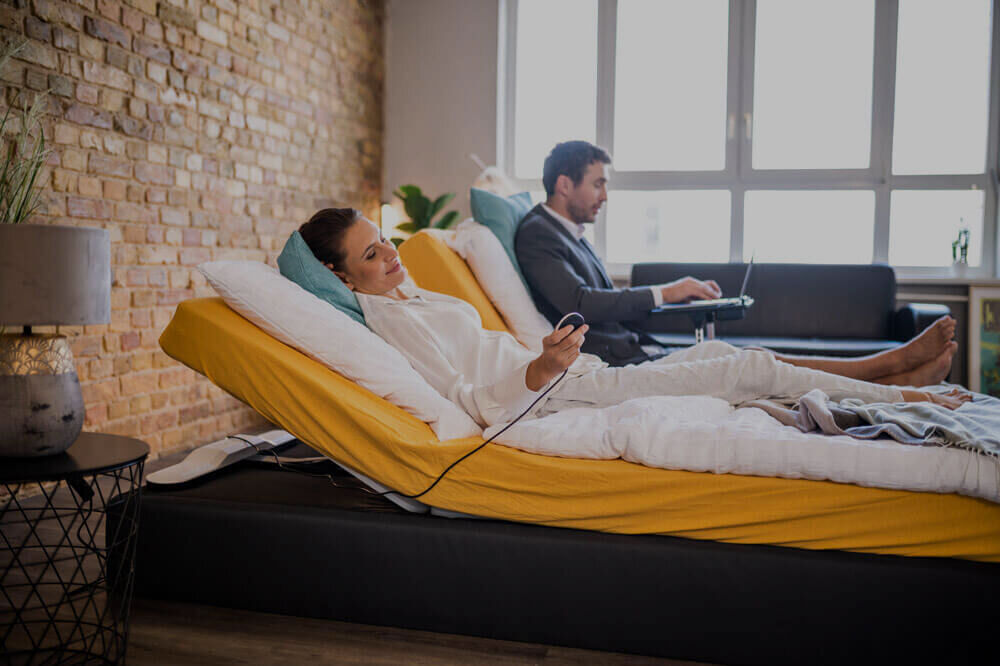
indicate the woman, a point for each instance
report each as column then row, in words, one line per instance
column 494, row 378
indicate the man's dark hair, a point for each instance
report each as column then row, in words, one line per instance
column 324, row 234
column 571, row 158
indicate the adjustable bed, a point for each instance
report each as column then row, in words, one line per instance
column 601, row 554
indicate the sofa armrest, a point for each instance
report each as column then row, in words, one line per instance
column 912, row 318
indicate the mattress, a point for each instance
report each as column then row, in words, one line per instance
column 366, row 433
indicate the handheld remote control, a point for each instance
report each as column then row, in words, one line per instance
column 574, row 319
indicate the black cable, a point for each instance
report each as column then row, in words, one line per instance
column 426, row 490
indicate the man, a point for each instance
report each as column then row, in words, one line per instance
column 565, row 275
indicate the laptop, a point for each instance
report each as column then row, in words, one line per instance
column 713, row 303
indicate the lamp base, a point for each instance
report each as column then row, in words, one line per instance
column 41, row 407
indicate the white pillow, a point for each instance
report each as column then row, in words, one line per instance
column 490, row 264
column 292, row 315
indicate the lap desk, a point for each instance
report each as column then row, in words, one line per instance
column 750, row 557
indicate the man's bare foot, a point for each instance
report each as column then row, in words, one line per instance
column 931, row 372
column 928, row 346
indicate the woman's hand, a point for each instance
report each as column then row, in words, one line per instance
column 559, row 349
column 953, row 399
column 688, row 289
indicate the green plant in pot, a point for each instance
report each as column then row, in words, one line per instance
column 422, row 211
column 50, row 275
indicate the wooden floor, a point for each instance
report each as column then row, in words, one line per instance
column 164, row 633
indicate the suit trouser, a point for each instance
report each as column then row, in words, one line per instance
column 712, row 368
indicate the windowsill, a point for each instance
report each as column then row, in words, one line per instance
column 621, row 274
column 950, row 281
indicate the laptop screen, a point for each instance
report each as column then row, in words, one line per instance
column 746, row 277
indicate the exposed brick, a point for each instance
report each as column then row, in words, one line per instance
column 212, row 33
column 36, row 80
column 87, row 116
column 109, row 8
column 88, row 208
column 132, row 19
column 54, row 11
column 153, row 173
column 36, row 29
column 64, row 39
column 107, row 166
column 86, row 94
column 133, row 127
column 114, row 190
column 90, row 187
column 61, row 85
column 39, row 54
column 108, row 76
column 138, row 383
column 145, row 6
column 192, row 136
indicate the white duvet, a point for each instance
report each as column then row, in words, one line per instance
column 702, row 434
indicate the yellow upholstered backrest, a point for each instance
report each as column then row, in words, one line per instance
column 436, row 267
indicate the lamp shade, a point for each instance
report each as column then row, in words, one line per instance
column 52, row 275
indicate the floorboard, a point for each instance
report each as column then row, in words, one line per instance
column 165, row 633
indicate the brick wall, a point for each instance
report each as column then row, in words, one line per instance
column 192, row 131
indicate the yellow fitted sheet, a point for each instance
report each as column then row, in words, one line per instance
column 382, row 441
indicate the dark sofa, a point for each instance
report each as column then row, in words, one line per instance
column 829, row 309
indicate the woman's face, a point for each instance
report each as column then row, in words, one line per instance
column 371, row 264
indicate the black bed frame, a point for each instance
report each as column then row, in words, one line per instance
column 278, row 542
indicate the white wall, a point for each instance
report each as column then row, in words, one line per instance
column 440, row 96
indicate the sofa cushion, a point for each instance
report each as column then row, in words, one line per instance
column 501, row 215
column 791, row 300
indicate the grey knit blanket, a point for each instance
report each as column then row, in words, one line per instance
column 975, row 425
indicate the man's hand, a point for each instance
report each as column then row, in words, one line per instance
column 559, row 349
column 689, row 289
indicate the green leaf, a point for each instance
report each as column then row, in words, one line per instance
column 447, row 220
column 438, row 204
column 416, row 208
column 404, row 192
column 396, row 241
column 408, row 227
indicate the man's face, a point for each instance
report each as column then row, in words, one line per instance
column 585, row 200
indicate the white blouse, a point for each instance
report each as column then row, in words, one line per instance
column 481, row 371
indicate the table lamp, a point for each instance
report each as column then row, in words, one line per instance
column 49, row 275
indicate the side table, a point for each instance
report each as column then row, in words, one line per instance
column 66, row 572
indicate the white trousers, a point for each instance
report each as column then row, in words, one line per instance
column 712, row 368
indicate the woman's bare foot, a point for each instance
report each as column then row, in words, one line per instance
column 931, row 372
column 953, row 399
column 928, row 346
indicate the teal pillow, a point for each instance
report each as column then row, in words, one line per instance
column 297, row 263
column 501, row 215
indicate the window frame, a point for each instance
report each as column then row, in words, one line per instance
column 738, row 176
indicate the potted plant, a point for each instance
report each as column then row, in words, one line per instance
column 422, row 211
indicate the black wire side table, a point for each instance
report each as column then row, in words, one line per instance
column 66, row 570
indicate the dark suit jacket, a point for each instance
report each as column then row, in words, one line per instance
column 565, row 275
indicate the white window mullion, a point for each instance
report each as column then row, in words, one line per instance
column 507, row 86
column 883, row 101
column 735, row 85
column 992, row 208
column 607, row 30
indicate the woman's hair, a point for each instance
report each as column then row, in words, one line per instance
column 324, row 234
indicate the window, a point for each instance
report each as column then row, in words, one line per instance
column 791, row 130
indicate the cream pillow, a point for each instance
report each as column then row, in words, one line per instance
column 292, row 315
column 491, row 266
